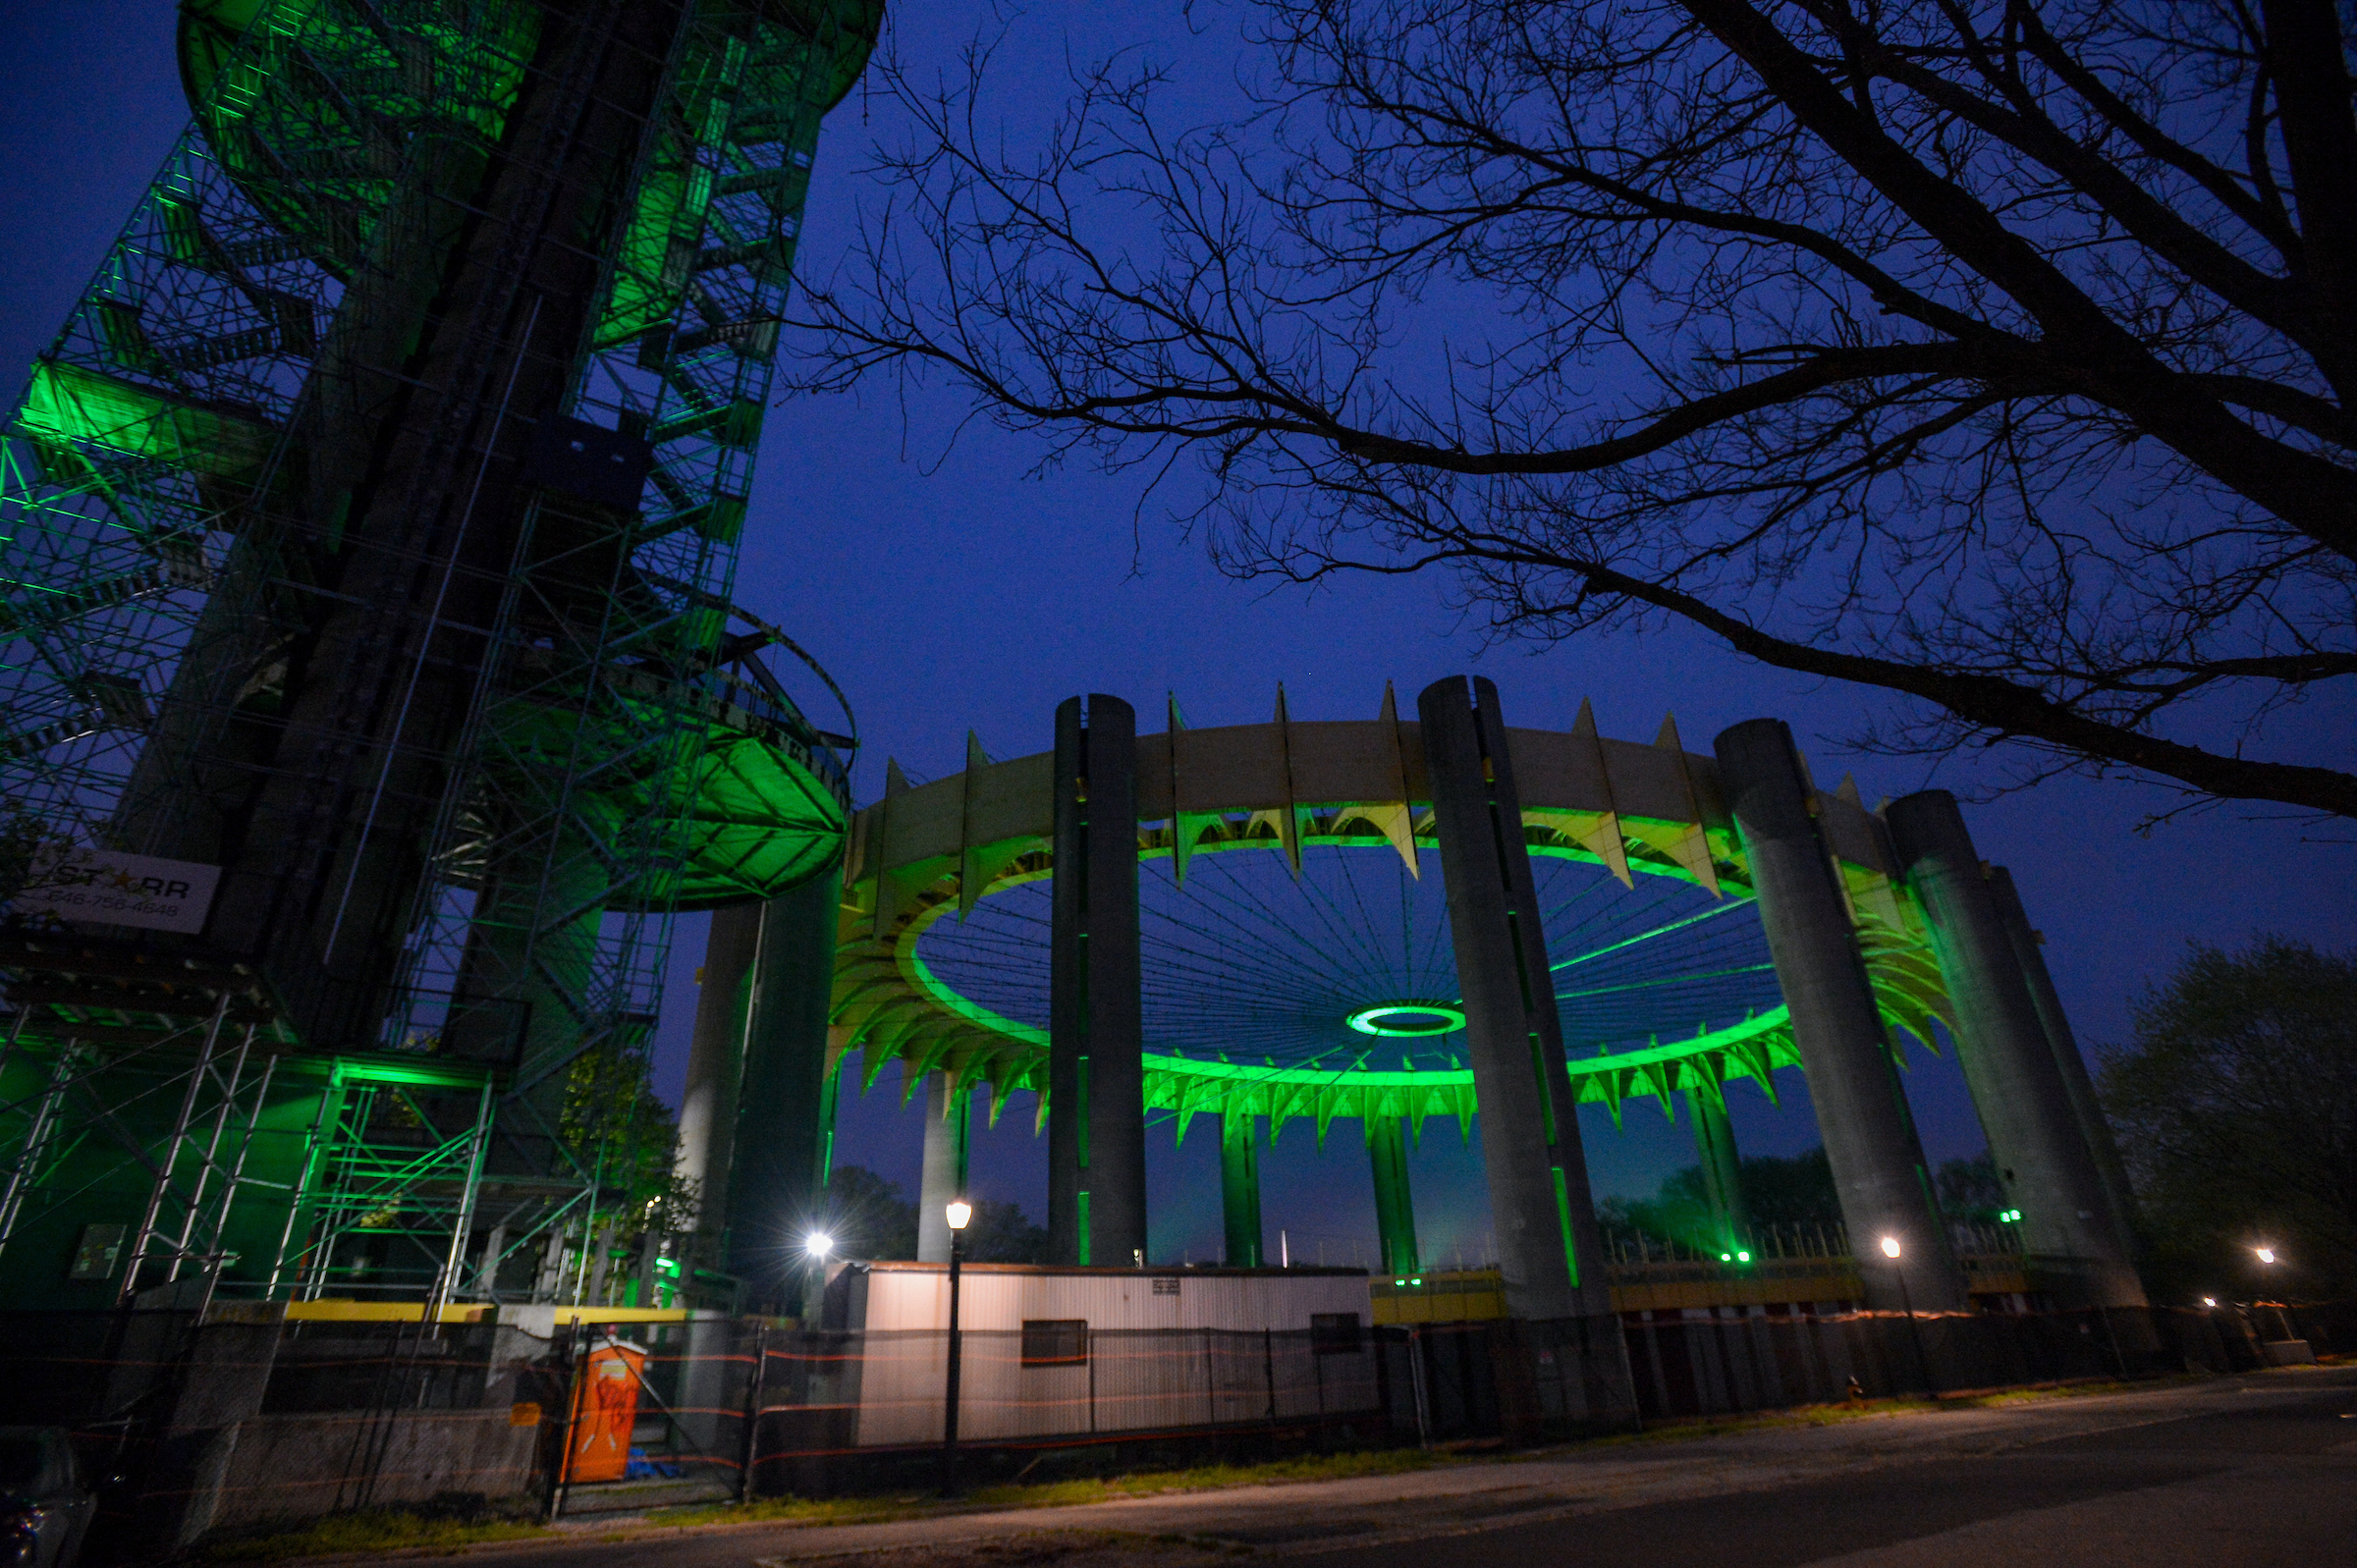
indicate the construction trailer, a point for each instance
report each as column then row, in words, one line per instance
column 1076, row 1352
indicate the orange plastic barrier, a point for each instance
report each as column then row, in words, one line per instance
column 605, row 1407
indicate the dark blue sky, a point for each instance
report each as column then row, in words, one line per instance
column 947, row 587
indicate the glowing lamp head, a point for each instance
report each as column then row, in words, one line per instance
column 1890, row 1246
column 818, row 1244
column 2208, row 1301
column 960, row 1212
column 2267, row 1253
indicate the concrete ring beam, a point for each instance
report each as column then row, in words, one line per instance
column 928, row 852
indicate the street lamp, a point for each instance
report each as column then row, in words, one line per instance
column 960, row 1214
column 2267, row 1258
column 817, row 1247
column 1922, row 1363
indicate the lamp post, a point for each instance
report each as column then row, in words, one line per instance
column 2267, row 1261
column 961, row 1213
column 817, row 1247
column 1922, row 1363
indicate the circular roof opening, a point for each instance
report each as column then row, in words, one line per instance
column 1407, row 1019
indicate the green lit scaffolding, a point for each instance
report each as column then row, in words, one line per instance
column 370, row 535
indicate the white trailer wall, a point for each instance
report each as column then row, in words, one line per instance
column 1171, row 1349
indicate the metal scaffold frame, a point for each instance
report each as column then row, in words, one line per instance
column 421, row 1192
column 93, row 1081
column 164, row 552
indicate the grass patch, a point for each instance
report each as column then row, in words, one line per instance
column 1053, row 1493
column 795, row 1512
column 377, row 1530
column 1208, row 1478
column 1833, row 1415
column 1690, row 1429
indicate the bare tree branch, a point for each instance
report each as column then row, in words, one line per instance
column 1994, row 353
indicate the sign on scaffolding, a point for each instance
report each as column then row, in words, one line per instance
column 120, row 890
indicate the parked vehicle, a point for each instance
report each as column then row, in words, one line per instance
column 45, row 1506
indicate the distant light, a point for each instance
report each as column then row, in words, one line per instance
column 1396, row 1283
column 2208, row 1301
column 1727, row 1257
column 961, row 1213
column 1890, row 1246
column 818, row 1244
column 1419, row 1280
column 2267, row 1255
column 1743, row 1257
column 2011, row 1216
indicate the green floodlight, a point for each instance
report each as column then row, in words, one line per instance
column 1418, row 1280
column 2011, row 1216
column 1743, row 1257
column 1409, row 1020
column 1727, row 1257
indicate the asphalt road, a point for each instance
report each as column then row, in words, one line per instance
column 2230, row 1472
column 2271, row 1483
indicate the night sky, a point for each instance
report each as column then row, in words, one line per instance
column 947, row 586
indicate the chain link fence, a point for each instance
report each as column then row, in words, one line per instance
column 233, row 1421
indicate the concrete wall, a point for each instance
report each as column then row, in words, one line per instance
column 285, row 1468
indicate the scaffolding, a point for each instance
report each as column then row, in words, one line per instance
column 370, row 536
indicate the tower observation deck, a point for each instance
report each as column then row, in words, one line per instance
column 368, row 538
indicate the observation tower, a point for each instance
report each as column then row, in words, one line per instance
column 374, row 692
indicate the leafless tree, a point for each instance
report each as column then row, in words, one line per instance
column 1995, row 352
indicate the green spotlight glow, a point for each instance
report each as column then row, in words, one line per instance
column 1409, row 1019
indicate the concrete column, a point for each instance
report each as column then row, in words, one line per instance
column 1394, row 1202
column 778, row 1176
column 1722, row 1168
column 2074, row 1251
column 1096, row 1072
column 1870, row 1138
column 708, row 1105
column 1239, row 1188
column 1547, row 1246
column 2068, row 1058
column 949, row 1128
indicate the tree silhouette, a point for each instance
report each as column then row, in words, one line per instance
column 2237, row 1110
column 1992, row 353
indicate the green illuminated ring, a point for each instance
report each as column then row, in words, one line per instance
column 931, row 851
column 1370, row 1020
